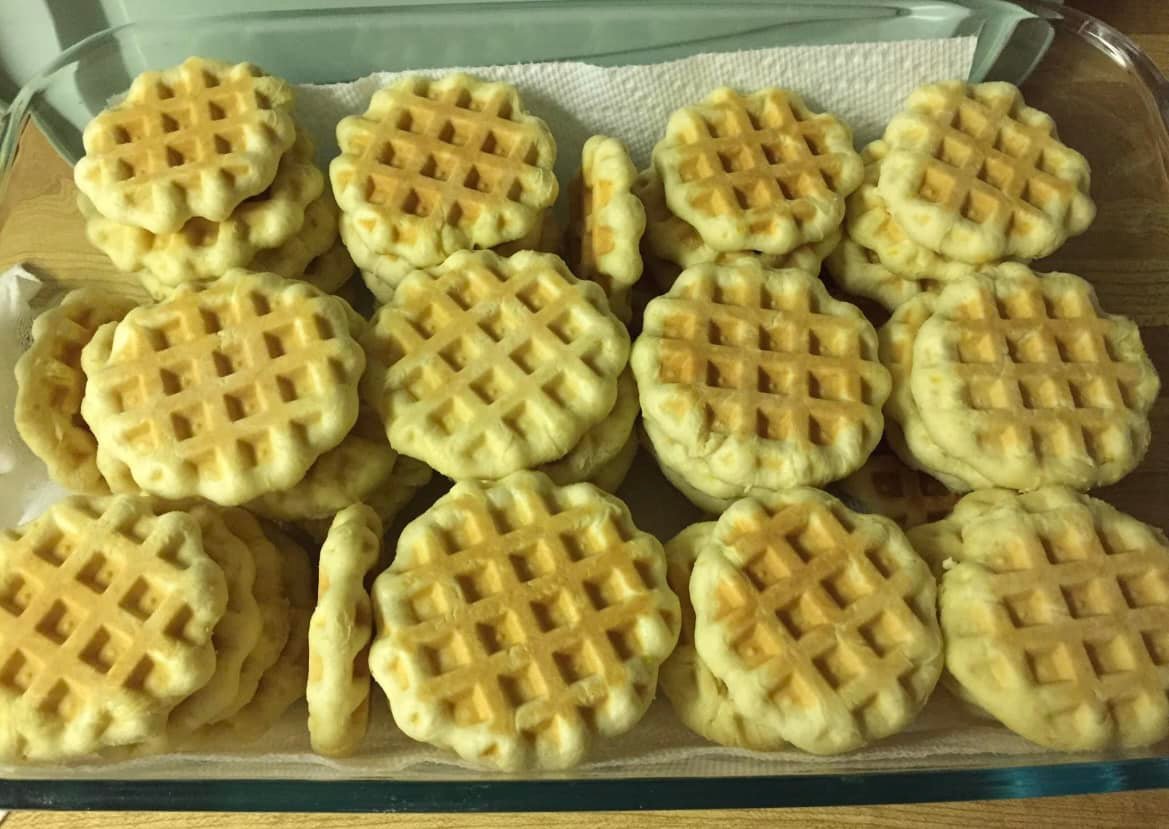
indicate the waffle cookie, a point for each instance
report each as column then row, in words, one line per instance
column 351, row 471
column 202, row 249
column 273, row 603
column 699, row 698
column 330, row 271
column 434, row 167
column 226, row 392
column 191, row 141
column 820, row 621
column 1056, row 617
column 876, row 259
column 387, row 499
column 1027, row 380
column 759, row 378
column 316, row 236
column 757, row 172
column 50, row 385
column 340, row 631
column 484, row 365
column 888, row 487
column 606, row 222
column 975, row 174
column 601, row 444
column 521, row 620
column 107, row 607
column 904, row 429
column 610, row 475
column 284, row 682
column 674, row 242
column 236, row 633
column 383, row 272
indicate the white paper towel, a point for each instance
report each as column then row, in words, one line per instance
column 25, row 487
column 863, row 83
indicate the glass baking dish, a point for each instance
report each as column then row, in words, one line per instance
column 1110, row 102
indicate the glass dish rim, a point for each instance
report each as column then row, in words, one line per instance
column 594, row 794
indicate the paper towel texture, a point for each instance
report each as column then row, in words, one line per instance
column 863, row 83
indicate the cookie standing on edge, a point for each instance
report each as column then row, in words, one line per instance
column 340, row 632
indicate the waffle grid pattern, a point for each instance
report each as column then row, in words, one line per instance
column 991, row 161
column 211, row 133
column 495, row 364
column 204, row 249
column 107, row 609
column 762, row 356
column 1041, row 372
column 227, row 392
column 760, row 172
column 1077, row 606
column 541, row 620
column 51, row 384
column 434, row 156
column 804, row 575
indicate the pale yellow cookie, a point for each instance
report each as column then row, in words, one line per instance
column 606, row 221
column 1056, row 617
column 758, row 171
column 50, row 385
column 236, row 633
column 107, row 607
column 340, row 632
column 875, row 258
column 1025, row 378
column 611, row 474
column 600, row 444
column 485, row 365
column 437, row 166
column 975, row 174
column 820, row 621
column 194, row 140
column 670, row 239
column 520, row 621
column 387, row 499
column 760, row 378
column 273, row 606
column 904, row 430
column 202, row 249
column 699, row 698
column 330, row 271
column 351, row 471
column 226, row 392
column 316, row 237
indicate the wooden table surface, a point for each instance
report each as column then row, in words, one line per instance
column 1147, row 21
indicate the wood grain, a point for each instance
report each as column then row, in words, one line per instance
column 42, row 185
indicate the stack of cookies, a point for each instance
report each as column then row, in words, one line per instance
column 129, row 628
column 757, row 176
column 1055, row 612
column 434, row 167
column 484, row 365
column 755, row 380
column 967, row 175
column 804, row 623
column 1016, row 379
column 202, row 169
